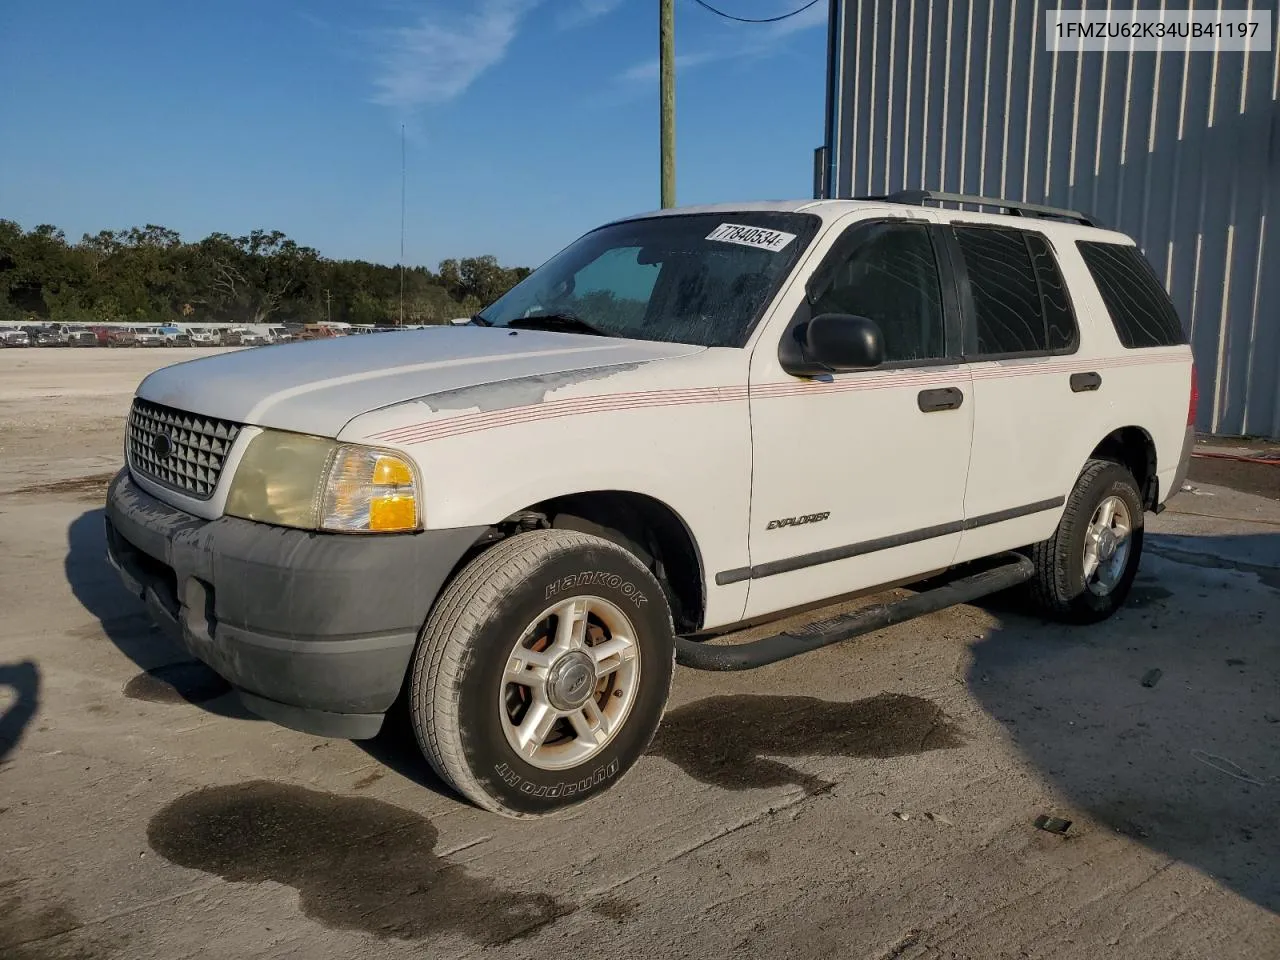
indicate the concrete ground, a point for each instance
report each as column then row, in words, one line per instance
column 874, row 800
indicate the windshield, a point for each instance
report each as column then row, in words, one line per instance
column 693, row 278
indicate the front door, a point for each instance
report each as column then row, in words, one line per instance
column 858, row 478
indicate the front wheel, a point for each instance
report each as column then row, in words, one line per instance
column 542, row 672
column 1084, row 571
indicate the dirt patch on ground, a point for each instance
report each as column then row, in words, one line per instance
column 1260, row 479
column 92, row 487
column 357, row 863
column 44, row 931
column 727, row 741
column 187, row 682
column 615, row 909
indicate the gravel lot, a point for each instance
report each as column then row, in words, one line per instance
column 871, row 800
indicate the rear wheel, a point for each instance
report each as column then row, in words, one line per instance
column 1085, row 570
column 542, row 672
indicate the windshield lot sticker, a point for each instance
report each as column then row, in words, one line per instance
column 774, row 240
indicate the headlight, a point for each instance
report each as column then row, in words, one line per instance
column 311, row 483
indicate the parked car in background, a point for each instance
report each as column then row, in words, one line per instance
column 203, row 337
column 47, row 335
column 279, row 335
column 78, row 335
column 43, row 336
column 119, row 337
column 250, row 338
column 148, row 337
column 175, row 336
column 229, row 336
column 317, row 331
column 14, row 337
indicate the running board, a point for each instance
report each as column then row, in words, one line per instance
column 1013, row 570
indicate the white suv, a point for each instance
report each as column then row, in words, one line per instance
column 683, row 421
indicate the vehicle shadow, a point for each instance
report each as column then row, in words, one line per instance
column 168, row 674
column 396, row 748
column 23, row 678
column 1163, row 723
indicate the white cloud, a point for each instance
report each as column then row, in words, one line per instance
column 815, row 16
column 737, row 40
column 437, row 58
column 647, row 71
column 577, row 12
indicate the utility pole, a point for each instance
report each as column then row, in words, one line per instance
column 667, row 69
column 328, row 306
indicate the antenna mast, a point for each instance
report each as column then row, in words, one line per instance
column 402, row 204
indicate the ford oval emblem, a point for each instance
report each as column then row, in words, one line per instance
column 162, row 445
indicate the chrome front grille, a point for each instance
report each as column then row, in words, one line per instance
column 182, row 451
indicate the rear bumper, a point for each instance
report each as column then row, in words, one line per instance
column 1184, row 464
column 314, row 630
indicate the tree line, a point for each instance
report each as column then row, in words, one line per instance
column 151, row 275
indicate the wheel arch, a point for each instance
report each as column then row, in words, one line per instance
column 1132, row 447
column 649, row 528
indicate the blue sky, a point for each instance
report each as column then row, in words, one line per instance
column 529, row 121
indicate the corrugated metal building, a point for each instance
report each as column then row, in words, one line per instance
column 1181, row 151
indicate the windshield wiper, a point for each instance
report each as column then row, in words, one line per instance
column 480, row 321
column 558, row 321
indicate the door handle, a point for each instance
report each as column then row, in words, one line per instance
column 943, row 398
column 1080, row 382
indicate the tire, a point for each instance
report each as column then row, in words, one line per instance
column 1060, row 589
column 502, row 611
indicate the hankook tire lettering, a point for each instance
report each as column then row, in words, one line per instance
column 561, row 789
column 597, row 578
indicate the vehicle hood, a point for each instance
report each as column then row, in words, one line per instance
column 317, row 386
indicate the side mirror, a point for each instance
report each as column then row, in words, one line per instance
column 832, row 343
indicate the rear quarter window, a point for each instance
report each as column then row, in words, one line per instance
column 1140, row 309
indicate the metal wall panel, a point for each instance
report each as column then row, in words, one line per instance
column 1180, row 151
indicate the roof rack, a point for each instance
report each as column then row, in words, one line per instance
column 1014, row 207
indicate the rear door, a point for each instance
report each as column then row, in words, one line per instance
column 858, row 478
column 1034, row 399
column 1150, row 374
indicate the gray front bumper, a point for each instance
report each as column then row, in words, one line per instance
column 314, row 630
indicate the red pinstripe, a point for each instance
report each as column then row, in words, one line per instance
column 461, row 425
column 426, row 431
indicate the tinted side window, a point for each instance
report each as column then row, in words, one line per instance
column 1141, row 311
column 1059, row 318
column 1006, row 297
column 892, row 279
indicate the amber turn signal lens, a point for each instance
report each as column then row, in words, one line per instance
column 370, row 491
column 393, row 513
column 388, row 470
